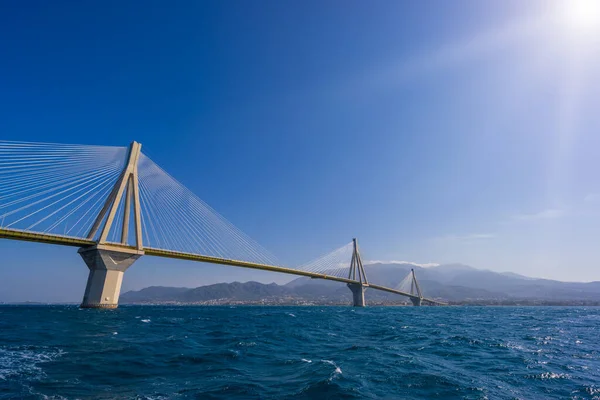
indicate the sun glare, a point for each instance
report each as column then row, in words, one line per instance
column 581, row 17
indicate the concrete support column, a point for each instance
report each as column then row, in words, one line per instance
column 358, row 294
column 107, row 266
column 416, row 301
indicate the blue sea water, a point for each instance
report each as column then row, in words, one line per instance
column 163, row 352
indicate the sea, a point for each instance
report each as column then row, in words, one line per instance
column 253, row 352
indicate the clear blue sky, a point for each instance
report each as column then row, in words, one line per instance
column 434, row 131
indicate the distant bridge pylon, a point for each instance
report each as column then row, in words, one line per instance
column 90, row 196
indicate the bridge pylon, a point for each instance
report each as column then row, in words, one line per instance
column 108, row 261
column 415, row 290
column 357, row 273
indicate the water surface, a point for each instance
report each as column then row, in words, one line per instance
column 299, row 352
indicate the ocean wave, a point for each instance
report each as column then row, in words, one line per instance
column 246, row 344
column 25, row 362
column 327, row 352
column 550, row 375
column 337, row 370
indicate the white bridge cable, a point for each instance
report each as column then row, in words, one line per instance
column 90, row 195
column 55, row 188
column 175, row 219
column 190, row 238
column 61, row 189
column 33, row 182
column 93, row 182
column 405, row 284
column 336, row 263
column 213, row 244
column 42, row 204
column 46, row 194
column 189, row 223
column 66, row 184
column 81, row 227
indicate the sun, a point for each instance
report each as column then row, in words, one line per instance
column 581, row 17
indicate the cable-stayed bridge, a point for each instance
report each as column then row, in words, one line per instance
column 116, row 205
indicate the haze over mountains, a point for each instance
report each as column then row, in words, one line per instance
column 451, row 282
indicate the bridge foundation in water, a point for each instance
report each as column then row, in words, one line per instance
column 416, row 301
column 107, row 267
column 358, row 294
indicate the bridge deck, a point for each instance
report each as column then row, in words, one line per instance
column 244, row 264
column 79, row 242
column 390, row 290
column 28, row 236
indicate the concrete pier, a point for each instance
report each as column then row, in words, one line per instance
column 107, row 266
column 358, row 294
column 416, row 301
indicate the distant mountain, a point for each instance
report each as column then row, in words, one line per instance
column 461, row 282
column 156, row 293
column 451, row 282
column 518, row 276
column 248, row 292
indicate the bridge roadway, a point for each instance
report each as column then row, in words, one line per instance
column 149, row 251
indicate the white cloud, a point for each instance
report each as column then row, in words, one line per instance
column 549, row 213
column 592, row 198
column 469, row 237
column 423, row 265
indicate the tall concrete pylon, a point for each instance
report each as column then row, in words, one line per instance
column 357, row 272
column 108, row 261
column 415, row 285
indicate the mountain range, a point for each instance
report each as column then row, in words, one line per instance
column 455, row 283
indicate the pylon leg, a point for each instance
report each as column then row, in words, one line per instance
column 416, row 301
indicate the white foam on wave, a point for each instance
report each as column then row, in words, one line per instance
column 291, row 315
column 337, row 371
column 511, row 345
column 592, row 390
column 306, row 361
column 43, row 396
column 552, row 375
column 25, row 362
column 146, row 320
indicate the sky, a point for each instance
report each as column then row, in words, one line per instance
column 434, row 132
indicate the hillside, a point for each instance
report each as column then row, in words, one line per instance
column 452, row 282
